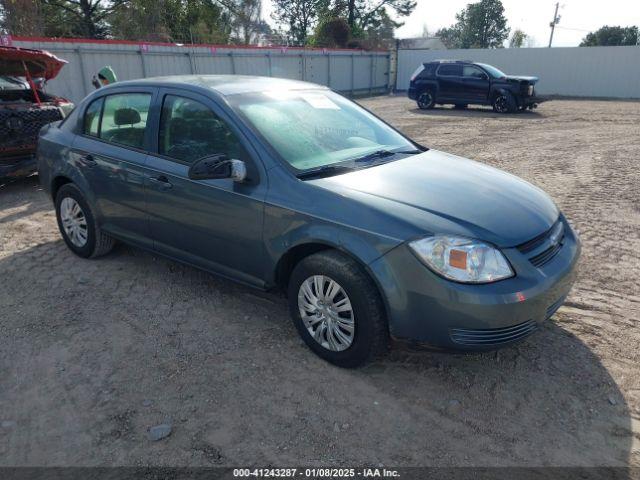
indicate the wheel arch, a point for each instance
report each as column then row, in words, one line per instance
column 57, row 182
column 297, row 253
column 432, row 86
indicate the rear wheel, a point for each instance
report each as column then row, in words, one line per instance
column 504, row 103
column 77, row 224
column 426, row 100
column 337, row 310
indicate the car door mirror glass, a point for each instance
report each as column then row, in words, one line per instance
column 218, row 166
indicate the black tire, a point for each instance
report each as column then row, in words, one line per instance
column 460, row 106
column 426, row 100
column 97, row 243
column 371, row 333
column 504, row 103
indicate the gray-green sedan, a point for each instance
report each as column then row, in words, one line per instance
column 285, row 184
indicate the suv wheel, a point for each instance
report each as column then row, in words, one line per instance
column 77, row 224
column 504, row 103
column 337, row 310
column 426, row 100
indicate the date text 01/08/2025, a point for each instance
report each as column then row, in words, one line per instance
column 316, row 472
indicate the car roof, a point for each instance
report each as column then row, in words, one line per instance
column 452, row 61
column 223, row 84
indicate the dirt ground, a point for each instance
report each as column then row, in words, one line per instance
column 94, row 352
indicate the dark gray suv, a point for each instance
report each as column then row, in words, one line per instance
column 285, row 184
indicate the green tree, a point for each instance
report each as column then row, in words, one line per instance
column 332, row 33
column 479, row 25
column 84, row 18
column 611, row 36
column 21, row 17
column 372, row 13
column 298, row 17
column 246, row 22
column 518, row 39
column 181, row 21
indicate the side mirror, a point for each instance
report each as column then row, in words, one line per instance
column 218, row 166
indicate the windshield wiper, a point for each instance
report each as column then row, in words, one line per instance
column 383, row 154
column 325, row 171
column 374, row 155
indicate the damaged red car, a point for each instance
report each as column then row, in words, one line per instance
column 25, row 107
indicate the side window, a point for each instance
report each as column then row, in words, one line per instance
column 92, row 118
column 470, row 71
column 124, row 118
column 430, row 69
column 450, row 70
column 190, row 130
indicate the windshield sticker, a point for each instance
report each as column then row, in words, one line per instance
column 320, row 101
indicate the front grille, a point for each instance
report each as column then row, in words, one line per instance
column 492, row 336
column 546, row 256
column 19, row 127
column 545, row 246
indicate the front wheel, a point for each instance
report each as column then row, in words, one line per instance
column 504, row 103
column 337, row 310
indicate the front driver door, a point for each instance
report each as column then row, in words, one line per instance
column 476, row 83
column 214, row 224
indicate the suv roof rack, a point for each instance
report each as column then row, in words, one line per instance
column 448, row 60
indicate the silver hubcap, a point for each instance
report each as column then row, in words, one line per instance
column 326, row 312
column 73, row 221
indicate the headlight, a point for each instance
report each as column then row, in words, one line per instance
column 462, row 259
column 530, row 90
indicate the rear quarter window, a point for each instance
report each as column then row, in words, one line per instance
column 91, row 123
column 429, row 70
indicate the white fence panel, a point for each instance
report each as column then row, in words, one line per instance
column 575, row 71
column 343, row 70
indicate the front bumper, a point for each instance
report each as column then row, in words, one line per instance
column 18, row 167
column 425, row 308
column 532, row 100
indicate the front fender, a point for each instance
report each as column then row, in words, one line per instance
column 286, row 229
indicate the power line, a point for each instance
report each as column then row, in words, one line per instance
column 574, row 29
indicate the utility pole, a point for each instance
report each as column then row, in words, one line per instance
column 556, row 20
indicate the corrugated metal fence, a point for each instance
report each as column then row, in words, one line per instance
column 581, row 72
column 349, row 71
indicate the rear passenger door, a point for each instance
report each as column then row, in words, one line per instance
column 111, row 151
column 450, row 84
column 214, row 224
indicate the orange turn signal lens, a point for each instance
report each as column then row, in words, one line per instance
column 458, row 259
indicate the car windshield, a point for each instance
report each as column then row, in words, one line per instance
column 316, row 128
column 493, row 71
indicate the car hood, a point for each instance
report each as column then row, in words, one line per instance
column 39, row 63
column 435, row 192
column 521, row 78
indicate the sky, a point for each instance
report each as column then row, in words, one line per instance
column 578, row 17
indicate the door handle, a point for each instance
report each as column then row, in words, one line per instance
column 162, row 182
column 88, row 160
